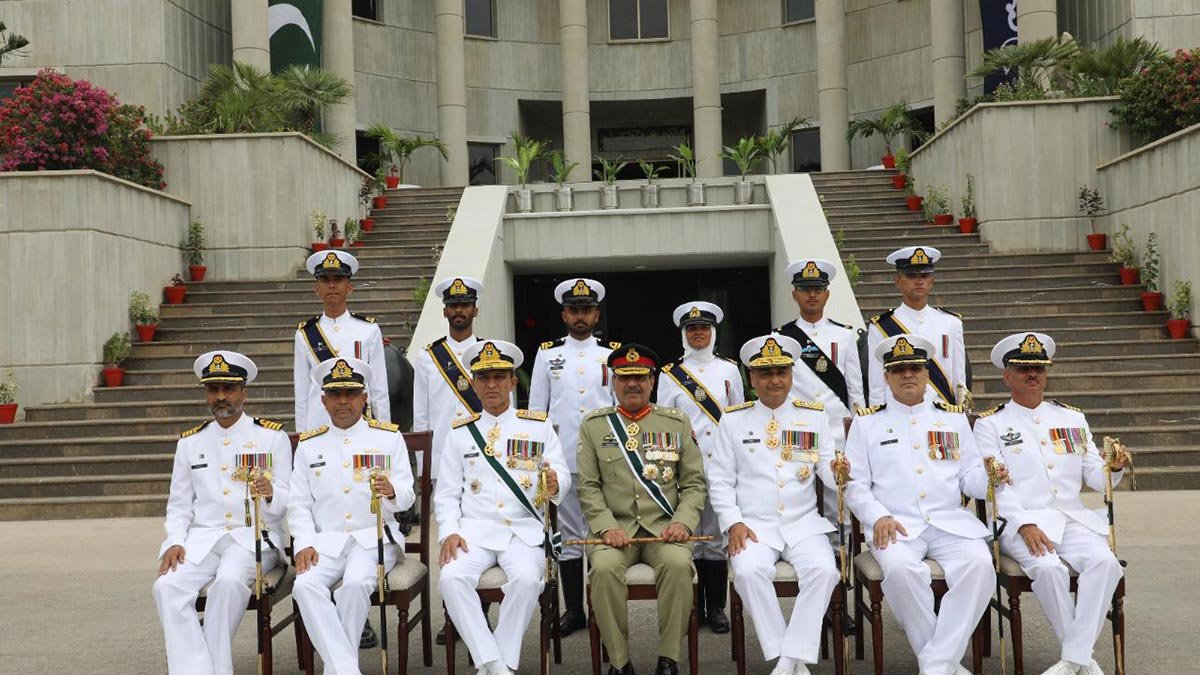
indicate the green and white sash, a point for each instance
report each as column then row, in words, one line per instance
column 634, row 461
column 554, row 540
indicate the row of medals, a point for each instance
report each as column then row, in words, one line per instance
column 513, row 463
column 787, row 453
column 650, row 471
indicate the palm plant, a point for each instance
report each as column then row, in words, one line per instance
column 893, row 121
column 560, row 169
column 306, row 92
column 776, row 141
column 397, row 149
column 744, row 154
column 609, row 170
column 686, row 159
column 528, row 150
column 1102, row 70
column 1030, row 63
column 651, row 171
column 10, row 43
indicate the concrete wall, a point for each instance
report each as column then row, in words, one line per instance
column 75, row 244
column 1174, row 24
column 253, row 193
column 1029, row 160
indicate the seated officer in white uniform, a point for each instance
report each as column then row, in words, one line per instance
column 762, row 483
column 491, row 507
column 913, row 460
column 210, row 535
column 703, row 384
column 1050, row 452
column 329, row 512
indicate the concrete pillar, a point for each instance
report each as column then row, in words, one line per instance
column 251, row 44
column 949, row 57
column 706, row 88
column 1036, row 20
column 576, row 105
column 452, row 90
column 337, row 57
column 833, row 106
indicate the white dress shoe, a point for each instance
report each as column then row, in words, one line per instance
column 1062, row 668
column 801, row 669
column 1092, row 668
column 962, row 671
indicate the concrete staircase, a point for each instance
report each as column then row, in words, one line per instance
column 113, row 457
column 1115, row 361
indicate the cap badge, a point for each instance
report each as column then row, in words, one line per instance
column 1031, row 345
column 632, row 355
column 810, row 271
column 580, row 289
column 919, row 257
column 458, row 288
column 903, row 348
column 771, row 349
column 694, row 313
column 488, row 355
column 331, row 262
column 342, row 371
column 218, row 365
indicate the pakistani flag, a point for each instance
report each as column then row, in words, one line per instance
column 294, row 27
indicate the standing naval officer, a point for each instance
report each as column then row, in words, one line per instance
column 703, row 384
column 209, row 537
column 489, row 505
column 1049, row 450
column 570, row 378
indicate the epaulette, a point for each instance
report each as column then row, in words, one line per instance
column 949, row 407
column 861, row 411
column 363, row 317
column 811, row 405
column 671, row 412
column 386, row 426
column 740, row 406
column 841, row 325
column 876, row 319
column 993, row 411
column 1065, row 405
column 600, row 412
column 551, row 344
column 268, row 424
column 535, row 415
column 465, row 421
column 194, row 430
column 313, row 433
column 726, row 358
column 307, row 322
column 614, row 345
column 951, row 313
column 667, row 367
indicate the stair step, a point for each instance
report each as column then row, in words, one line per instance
column 268, row 407
column 883, row 284
column 87, row 446
column 221, row 336
column 266, row 375
column 119, row 428
column 182, row 319
column 1027, row 310
column 1167, row 478
column 221, row 289
column 1142, row 436
column 981, row 354
column 1182, row 380
column 296, row 308
column 1006, row 275
column 152, row 393
column 1095, row 400
column 35, row 467
column 108, row 485
column 954, row 296
column 67, row 508
column 981, row 337
column 1048, row 324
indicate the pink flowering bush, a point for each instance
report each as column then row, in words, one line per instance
column 59, row 123
column 1163, row 98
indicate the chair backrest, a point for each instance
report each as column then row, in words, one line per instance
column 422, row 442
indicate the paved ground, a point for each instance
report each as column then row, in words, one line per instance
column 75, row 597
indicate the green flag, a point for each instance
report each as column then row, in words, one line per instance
column 294, row 27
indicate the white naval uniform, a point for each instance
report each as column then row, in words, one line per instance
column 723, row 380
column 892, row 473
column 330, row 511
column 1047, row 478
column 775, row 497
column 941, row 327
column 570, row 378
column 206, row 516
column 341, row 335
column 435, row 405
column 474, row 502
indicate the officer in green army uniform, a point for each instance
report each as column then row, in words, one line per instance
column 640, row 475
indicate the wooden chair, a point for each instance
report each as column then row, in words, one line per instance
column 640, row 579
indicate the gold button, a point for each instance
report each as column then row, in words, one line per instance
column 225, row 442
column 347, row 515
column 1049, row 465
column 913, row 421
column 345, row 465
column 927, row 519
column 346, row 490
column 780, row 483
column 635, row 497
column 1037, row 420
column 224, row 467
column 922, row 495
column 499, row 505
column 228, row 528
column 345, row 441
column 581, row 409
column 779, row 464
column 920, row 469
column 581, row 371
column 507, row 521
column 581, row 390
column 225, row 491
column 318, row 472
column 1043, row 441
column 1055, row 490
column 708, row 433
column 458, row 413
column 780, row 508
column 228, row 516
column 916, row 446
column 581, row 353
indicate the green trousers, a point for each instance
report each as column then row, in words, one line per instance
column 674, row 572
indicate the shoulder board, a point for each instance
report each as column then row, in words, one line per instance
column 386, row 426
column 535, row 415
column 313, row 433
column 943, row 309
column 307, row 322
column 841, row 325
column 861, row 411
column 1067, row 406
column 671, row 412
column 195, row 429
column 949, row 407
column 551, row 344
column 465, row 421
column 992, row 411
column 667, row 367
column 600, row 412
column 363, row 317
column 740, row 406
column 726, row 358
column 811, row 405
column 441, row 339
column 611, row 345
column 268, row 424
column 879, row 317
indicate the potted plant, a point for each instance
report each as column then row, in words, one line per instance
column 853, row 271
column 527, row 150
column 1181, row 310
column 900, row 178
column 776, row 141
column 8, row 399
column 608, row 173
column 176, row 292
column 745, row 154
column 336, row 240
column 937, row 206
column 116, row 350
column 145, row 317
column 564, row 196
column 364, row 197
column 378, row 185
column 687, row 164
column 397, row 150
column 353, row 231
column 968, row 221
column 1152, row 299
column 1124, row 255
column 193, row 251
column 893, row 121
column 316, row 218
column 650, row 190
column 1090, row 203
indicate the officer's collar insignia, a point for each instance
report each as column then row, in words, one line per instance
column 580, row 289
column 1031, row 345
column 810, row 271
column 331, row 262
column 918, row 257
column 458, row 288
column 218, row 365
column 902, row 347
column 694, row 313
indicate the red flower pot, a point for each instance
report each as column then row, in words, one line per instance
column 358, row 244
column 1097, row 242
column 889, row 161
column 175, row 294
column 943, row 219
column 196, row 272
column 1178, row 328
column 392, row 182
column 337, row 243
column 8, row 413
column 899, row 181
column 914, row 202
column 146, row 332
column 1152, row 301
column 319, row 246
column 368, row 224
column 113, row 377
column 967, row 225
column 379, row 202
column 1129, row 275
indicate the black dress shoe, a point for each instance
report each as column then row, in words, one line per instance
column 666, row 667
column 368, row 639
column 441, row 636
column 570, row 622
column 627, row 669
column 717, row 621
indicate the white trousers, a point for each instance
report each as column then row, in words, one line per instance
column 207, row 650
column 524, row 566
column 753, row 577
column 1077, row 622
column 571, row 522
column 336, row 625
column 939, row 640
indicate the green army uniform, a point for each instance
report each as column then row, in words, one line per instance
column 612, row 496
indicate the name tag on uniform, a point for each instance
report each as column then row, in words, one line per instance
column 890, row 441
column 751, row 440
column 318, row 464
column 199, row 466
column 469, row 455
